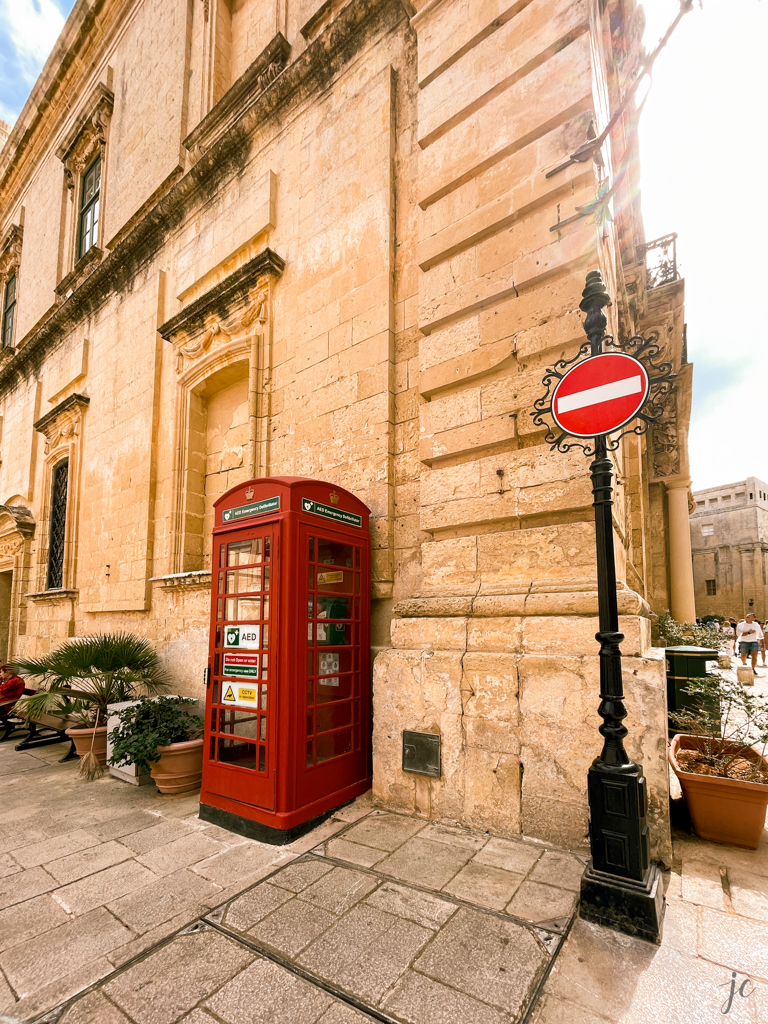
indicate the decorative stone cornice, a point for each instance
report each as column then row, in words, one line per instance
column 240, row 97
column 22, row 520
column 231, row 308
column 62, row 422
column 349, row 33
column 10, row 251
column 88, row 134
column 53, row 595
column 197, row 580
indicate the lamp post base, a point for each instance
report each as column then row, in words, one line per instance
column 635, row 908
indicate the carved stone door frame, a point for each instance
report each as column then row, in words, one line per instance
column 228, row 325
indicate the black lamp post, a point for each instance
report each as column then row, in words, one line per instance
column 621, row 887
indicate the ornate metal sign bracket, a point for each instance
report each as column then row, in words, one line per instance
column 646, row 350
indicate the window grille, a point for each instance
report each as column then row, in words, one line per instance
column 707, row 530
column 9, row 311
column 58, row 526
column 711, row 586
column 89, row 207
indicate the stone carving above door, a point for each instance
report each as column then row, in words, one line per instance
column 231, row 311
column 224, row 331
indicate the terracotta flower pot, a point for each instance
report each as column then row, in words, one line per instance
column 722, row 810
column 85, row 741
column 180, row 768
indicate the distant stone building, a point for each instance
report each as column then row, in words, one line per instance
column 729, row 546
column 343, row 239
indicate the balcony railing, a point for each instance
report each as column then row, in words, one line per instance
column 660, row 260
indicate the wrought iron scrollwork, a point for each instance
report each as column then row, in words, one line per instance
column 660, row 373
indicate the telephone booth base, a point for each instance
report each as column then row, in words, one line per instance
column 277, row 829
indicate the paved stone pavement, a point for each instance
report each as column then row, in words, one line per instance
column 715, row 933
column 118, row 906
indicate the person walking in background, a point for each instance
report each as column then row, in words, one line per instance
column 749, row 634
column 730, row 633
column 763, row 626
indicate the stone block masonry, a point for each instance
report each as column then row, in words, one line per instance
column 328, row 246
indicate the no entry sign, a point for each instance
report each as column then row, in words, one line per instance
column 600, row 395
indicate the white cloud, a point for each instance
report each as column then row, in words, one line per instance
column 32, row 27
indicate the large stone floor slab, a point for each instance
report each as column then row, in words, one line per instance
column 153, row 917
column 94, row 874
column 118, row 906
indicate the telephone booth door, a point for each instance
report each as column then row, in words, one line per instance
column 288, row 702
column 337, row 700
column 241, row 723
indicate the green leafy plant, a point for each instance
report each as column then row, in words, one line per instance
column 732, row 723
column 150, row 724
column 690, row 634
column 83, row 677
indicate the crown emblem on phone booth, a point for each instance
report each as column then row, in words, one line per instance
column 334, row 498
column 249, row 493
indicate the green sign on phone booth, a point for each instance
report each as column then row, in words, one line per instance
column 288, row 707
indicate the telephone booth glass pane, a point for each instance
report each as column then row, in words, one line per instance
column 333, row 681
column 241, row 684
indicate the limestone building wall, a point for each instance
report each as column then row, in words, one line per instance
column 345, row 240
column 729, row 541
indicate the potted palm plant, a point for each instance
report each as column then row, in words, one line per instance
column 82, row 678
column 719, row 759
column 162, row 737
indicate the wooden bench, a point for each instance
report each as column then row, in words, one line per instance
column 42, row 731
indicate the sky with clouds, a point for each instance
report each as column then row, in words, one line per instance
column 28, row 30
column 704, row 146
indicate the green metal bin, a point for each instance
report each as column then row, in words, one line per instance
column 684, row 664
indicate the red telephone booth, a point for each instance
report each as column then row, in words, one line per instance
column 288, row 703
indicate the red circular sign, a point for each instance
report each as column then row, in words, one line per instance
column 600, row 395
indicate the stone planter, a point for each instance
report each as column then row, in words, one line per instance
column 85, row 741
column 722, row 810
column 180, row 768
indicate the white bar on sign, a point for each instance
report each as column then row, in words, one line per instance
column 602, row 393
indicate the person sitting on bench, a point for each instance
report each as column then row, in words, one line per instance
column 11, row 687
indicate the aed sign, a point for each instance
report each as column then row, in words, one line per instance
column 256, row 508
column 239, row 696
column 243, row 637
column 242, row 666
column 338, row 515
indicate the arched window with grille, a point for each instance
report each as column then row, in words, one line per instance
column 59, row 486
